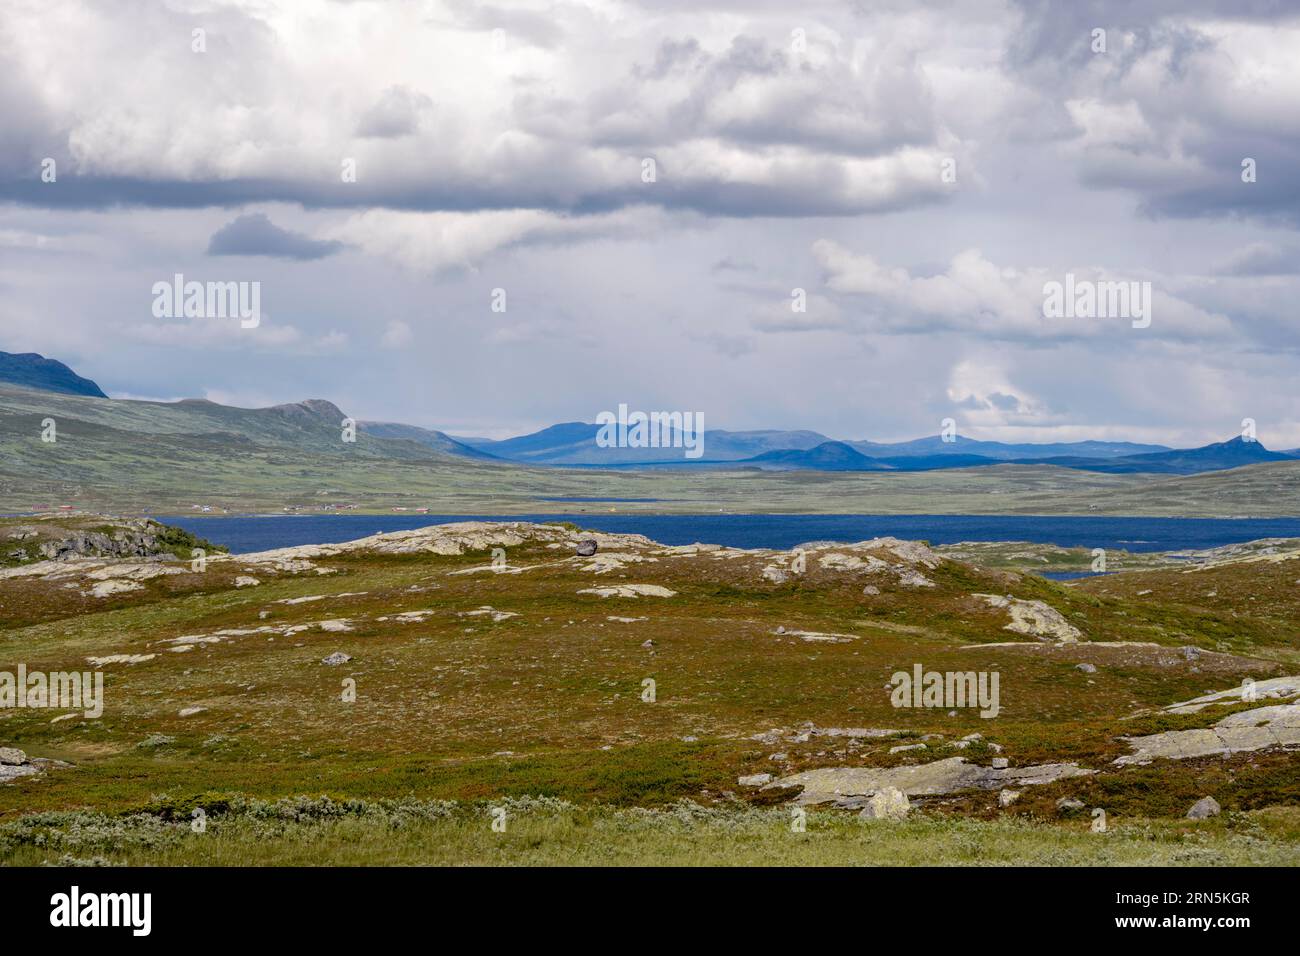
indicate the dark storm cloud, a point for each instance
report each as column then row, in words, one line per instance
column 740, row 127
column 255, row 235
column 1204, row 110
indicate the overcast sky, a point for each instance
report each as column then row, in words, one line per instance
column 795, row 146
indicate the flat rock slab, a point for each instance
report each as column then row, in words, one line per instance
column 1275, row 687
column 1108, row 654
column 9, row 772
column 843, row 784
column 817, row 636
column 630, row 591
column 1036, row 619
column 1258, row 729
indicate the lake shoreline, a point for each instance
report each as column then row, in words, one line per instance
column 252, row 532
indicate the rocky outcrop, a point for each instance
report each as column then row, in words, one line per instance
column 849, row 786
column 630, row 591
column 488, row 611
column 808, row 731
column 1257, row 729
column 59, row 539
column 815, row 636
column 1036, row 619
column 614, row 561
column 119, row 659
column 1278, row 688
column 904, row 560
column 109, row 588
column 14, row 764
column 888, row 803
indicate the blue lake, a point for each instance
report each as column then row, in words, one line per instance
column 244, row 533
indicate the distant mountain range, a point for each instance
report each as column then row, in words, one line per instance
column 573, row 444
column 935, row 445
column 315, row 424
column 840, row 456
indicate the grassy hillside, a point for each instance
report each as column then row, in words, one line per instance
column 148, row 457
column 36, row 371
column 492, row 688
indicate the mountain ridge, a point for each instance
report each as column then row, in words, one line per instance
column 33, row 370
column 318, row 424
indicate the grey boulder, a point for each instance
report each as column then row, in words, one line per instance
column 887, row 803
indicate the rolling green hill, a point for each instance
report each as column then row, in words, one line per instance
column 439, row 441
column 158, row 458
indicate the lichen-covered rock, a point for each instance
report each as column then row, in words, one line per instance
column 488, row 611
column 841, row 784
column 108, row 588
column 887, row 803
column 630, row 591
column 1204, row 808
column 816, row 636
column 1277, row 688
column 1257, row 729
column 1034, row 618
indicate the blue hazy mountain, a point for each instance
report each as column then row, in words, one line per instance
column 935, row 445
column 574, row 443
column 828, row 456
column 1191, row 461
column 36, row 371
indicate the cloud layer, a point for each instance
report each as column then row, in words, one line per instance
column 841, row 217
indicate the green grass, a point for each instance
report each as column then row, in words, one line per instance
column 548, row 704
column 539, row 831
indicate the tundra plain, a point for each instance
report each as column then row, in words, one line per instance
column 387, row 700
